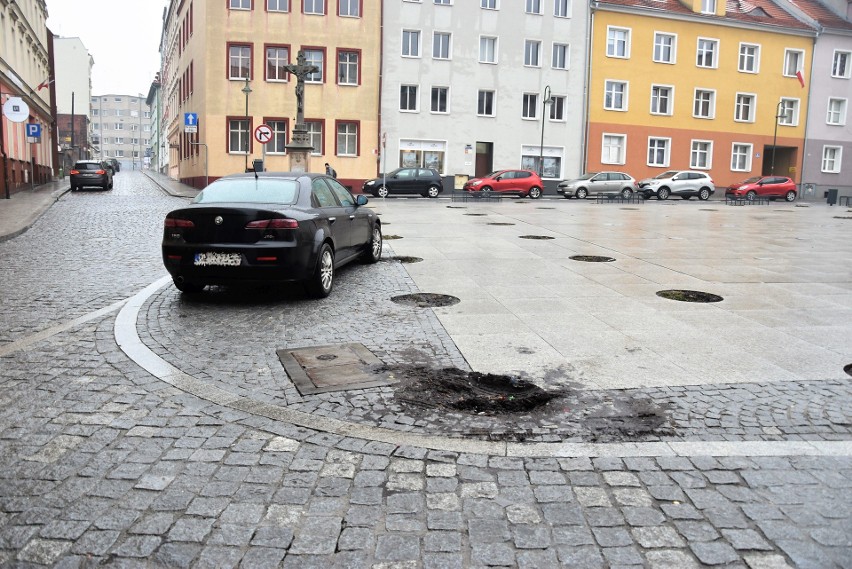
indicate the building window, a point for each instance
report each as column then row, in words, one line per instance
column 238, row 136
column 533, row 7
column 349, row 8
column 119, row 126
column 701, row 155
column 836, row 112
column 315, row 135
column 532, row 48
column 95, row 112
column 788, row 112
column 276, row 59
column 488, row 4
column 441, row 45
column 793, row 59
column 485, row 104
column 658, row 151
column 408, row 98
column 119, row 112
column 119, row 140
column 562, row 8
column 347, row 67
column 557, row 108
column 741, row 157
column 705, row 104
column 313, row 6
column 487, row 49
column 831, row 158
column 279, row 136
column 347, row 139
column 744, row 107
column 443, row 2
column 749, row 60
column 617, row 42
column 613, row 148
column 240, row 4
column 411, row 43
column 561, row 53
column 277, row 5
column 706, row 56
column 615, row 95
column 708, row 6
column 239, row 62
column 664, row 47
column 530, row 106
column 315, row 57
column 440, row 99
column 661, row 100
column 840, row 66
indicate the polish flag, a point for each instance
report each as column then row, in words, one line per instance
column 44, row 84
column 800, row 78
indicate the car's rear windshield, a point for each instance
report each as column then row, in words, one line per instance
column 87, row 166
column 250, row 190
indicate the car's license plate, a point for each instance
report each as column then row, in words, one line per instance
column 218, row 259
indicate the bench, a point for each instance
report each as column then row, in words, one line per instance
column 462, row 196
column 733, row 200
column 618, row 198
column 847, row 198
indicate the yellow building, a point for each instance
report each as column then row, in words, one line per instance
column 697, row 85
column 223, row 63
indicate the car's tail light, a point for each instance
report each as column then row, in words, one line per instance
column 101, row 172
column 177, row 222
column 75, row 172
column 278, row 223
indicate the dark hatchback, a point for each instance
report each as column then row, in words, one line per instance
column 269, row 228
column 424, row 181
column 90, row 173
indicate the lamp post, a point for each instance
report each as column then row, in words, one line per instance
column 247, row 91
column 778, row 115
column 545, row 101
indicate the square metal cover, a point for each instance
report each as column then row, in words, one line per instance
column 331, row 368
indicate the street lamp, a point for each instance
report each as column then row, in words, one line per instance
column 778, row 115
column 247, row 91
column 545, row 101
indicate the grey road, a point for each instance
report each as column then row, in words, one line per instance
column 142, row 428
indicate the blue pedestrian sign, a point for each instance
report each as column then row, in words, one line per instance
column 190, row 122
column 33, row 130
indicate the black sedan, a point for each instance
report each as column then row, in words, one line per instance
column 269, row 227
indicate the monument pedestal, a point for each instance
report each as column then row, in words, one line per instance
column 299, row 150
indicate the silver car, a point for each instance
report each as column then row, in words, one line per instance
column 598, row 183
column 683, row 183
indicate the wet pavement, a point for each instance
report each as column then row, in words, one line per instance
column 144, row 428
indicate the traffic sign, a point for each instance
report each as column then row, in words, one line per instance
column 263, row 133
column 190, row 123
column 33, row 130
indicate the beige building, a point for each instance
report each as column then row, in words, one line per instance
column 223, row 63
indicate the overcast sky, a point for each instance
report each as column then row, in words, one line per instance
column 122, row 36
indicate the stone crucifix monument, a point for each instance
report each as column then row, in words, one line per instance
column 299, row 149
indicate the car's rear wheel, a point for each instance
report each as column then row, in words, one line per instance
column 374, row 251
column 433, row 191
column 535, row 192
column 382, row 192
column 188, row 287
column 626, row 193
column 663, row 193
column 704, row 194
column 790, row 196
column 322, row 281
column 750, row 195
column 74, row 188
column 485, row 189
column 581, row 193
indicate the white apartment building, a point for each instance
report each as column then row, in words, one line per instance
column 465, row 85
column 73, row 76
column 121, row 124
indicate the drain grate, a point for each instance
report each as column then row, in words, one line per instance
column 456, row 207
column 500, row 223
column 425, row 300
column 339, row 367
column 391, row 237
column 537, row 237
column 592, row 259
column 545, row 208
column 689, row 296
column 405, row 259
column 476, row 214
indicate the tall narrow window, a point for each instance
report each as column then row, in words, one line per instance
column 661, row 100
column 840, row 65
column 561, row 53
column 530, row 106
column 562, row 8
column 347, row 139
column 315, row 57
column 487, row 49
column 615, row 95
column 749, row 58
column 741, row 157
column 788, row 112
column 705, row 104
column 708, row 6
column 617, row 42
column 532, row 48
column 658, row 151
column 793, row 59
column 485, row 104
column 533, row 7
column 411, row 43
column 744, row 108
column 557, row 108
column 238, row 136
column 408, row 98
column 276, row 59
column 836, row 112
column 831, row 159
column 701, row 154
column 440, row 99
column 239, row 62
column 706, row 55
column 441, row 45
column 664, row 48
column 347, row 67
column 613, row 148
column 279, row 136
column 349, row 8
column 315, row 134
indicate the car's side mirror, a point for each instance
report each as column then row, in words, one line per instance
column 361, row 199
column 498, row 178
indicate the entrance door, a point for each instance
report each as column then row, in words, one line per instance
column 484, row 159
column 784, row 160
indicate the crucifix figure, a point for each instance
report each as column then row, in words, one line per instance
column 300, row 70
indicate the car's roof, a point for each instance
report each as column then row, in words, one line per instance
column 279, row 175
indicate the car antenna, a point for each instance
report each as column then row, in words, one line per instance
column 255, row 174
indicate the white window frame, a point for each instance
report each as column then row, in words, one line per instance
column 412, row 47
column 489, row 4
column 443, row 2
column 736, row 156
column 438, row 47
column 562, row 8
column 752, row 107
column 800, row 61
column 317, row 7
column 795, row 107
column 741, row 56
column 491, row 41
column 606, row 149
column 532, row 53
column 695, row 152
column 708, row 6
column 278, row 135
column 349, row 8
column 841, row 112
column 702, row 54
column 446, row 89
column 624, row 97
column 351, row 68
column 240, row 59
column 848, row 71
column 670, row 99
column 557, row 102
column 560, row 51
column 666, row 155
column 239, row 4
column 612, row 41
column 277, row 63
column 349, row 139
column 712, row 103
column 275, row 5
column 317, row 76
column 533, row 7
column 243, row 141
column 673, row 48
column 493, row 102
column 833, row 164
column 529, row 103
column 416, row 88
column 316, row 134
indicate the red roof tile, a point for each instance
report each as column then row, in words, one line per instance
column 822, row 14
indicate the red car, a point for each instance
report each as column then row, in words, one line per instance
column 771, row 187
column 524, row 183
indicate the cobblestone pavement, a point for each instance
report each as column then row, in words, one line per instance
column 106, row 464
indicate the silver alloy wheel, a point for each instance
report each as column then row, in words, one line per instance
column 791, row 196
column 704, row 194
column 433, row 191
column 485, row 189
column 750, row 195
column 626, row 193
column 376, row 244
column 326, row 269
column 535, row 192
column 663, row 194
column 382, row 192
column 581, row 193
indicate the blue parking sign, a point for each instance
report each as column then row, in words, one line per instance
column 33, row 130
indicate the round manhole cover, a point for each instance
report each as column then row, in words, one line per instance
column 592, row 259
column 326, row 357
column 404, row 259
column 425, row 300
column 690, row 296
column 391, row 237
column 500, row 223
column 537, row 237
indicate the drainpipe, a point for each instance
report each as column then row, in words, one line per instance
column 5, row 160
column 584, row 141
column 808, row 115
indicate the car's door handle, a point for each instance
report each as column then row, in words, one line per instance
column 352, row 216
column 332, row 219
